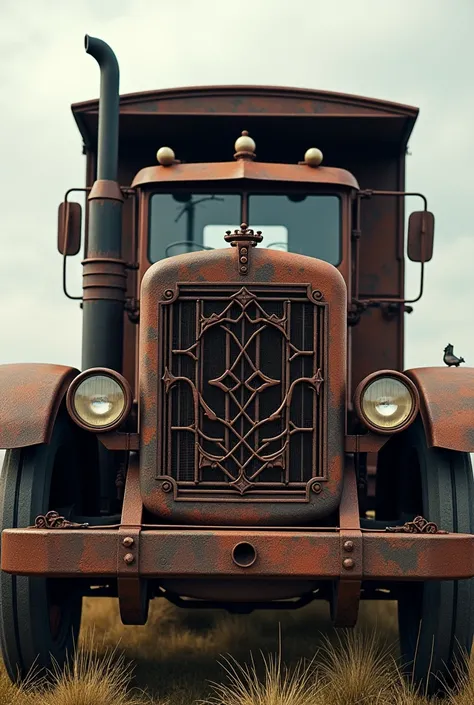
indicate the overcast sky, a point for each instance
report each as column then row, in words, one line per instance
column 418, row 52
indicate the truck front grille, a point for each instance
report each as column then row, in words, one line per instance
column 242, row 391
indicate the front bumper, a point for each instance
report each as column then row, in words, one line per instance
column 200, row 552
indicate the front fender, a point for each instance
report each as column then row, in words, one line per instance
column 447, row 405
column 30, row 396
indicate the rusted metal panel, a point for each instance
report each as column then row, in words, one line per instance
column 30, row 396
column 195, row 553
column 367, row 443
column 377, row 340
column 447, row 405
column 131, row 588
column 425, row 557
column 252, row 99
column 347, row 590
column 219, row 270
column 257, row 171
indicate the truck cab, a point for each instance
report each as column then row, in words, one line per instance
column 363, row 142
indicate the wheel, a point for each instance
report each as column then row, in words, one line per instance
column 39, row 618
column 436, row 619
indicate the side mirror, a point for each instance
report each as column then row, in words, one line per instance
column 420, row 236
column 69, row 228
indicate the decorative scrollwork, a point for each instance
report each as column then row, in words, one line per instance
column 245, row 384
column 419, row 525
column 53, row 520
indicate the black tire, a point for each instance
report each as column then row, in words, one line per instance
column 39, row 618
column 436, row 619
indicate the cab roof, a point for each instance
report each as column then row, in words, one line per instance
column 202, row 123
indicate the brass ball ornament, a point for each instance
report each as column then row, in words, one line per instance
column 245, row 143
column 313, row 157
column 165, row 156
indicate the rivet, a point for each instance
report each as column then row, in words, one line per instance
column 348, row 563
column 128, row 558
column 128, row 541
column 316, row 488
column 166, row 487
column 243, row 269
column 243, row 251
column 348, row 546
column 243, row 260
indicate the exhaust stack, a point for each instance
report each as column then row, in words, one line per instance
column 104, row 273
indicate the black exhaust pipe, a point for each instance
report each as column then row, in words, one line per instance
column 104, row 273
column 107, row 157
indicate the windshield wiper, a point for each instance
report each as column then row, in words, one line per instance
column 188, row 243
column 191, row 205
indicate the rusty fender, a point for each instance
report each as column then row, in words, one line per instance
column 218, row 553
column 30, row 396
column 447, row 405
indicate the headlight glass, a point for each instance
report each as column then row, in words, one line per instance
column 387, row 402
column 99, row 401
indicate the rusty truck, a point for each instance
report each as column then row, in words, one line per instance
column 243, row 433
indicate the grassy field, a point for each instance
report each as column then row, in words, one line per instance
column 180, row 657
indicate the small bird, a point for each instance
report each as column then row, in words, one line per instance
column 450, row 359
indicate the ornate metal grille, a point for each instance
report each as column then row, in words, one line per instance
column 242, row 390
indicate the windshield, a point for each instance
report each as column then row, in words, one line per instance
column 308, row 224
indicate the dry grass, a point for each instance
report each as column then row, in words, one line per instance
column 99, row 676
column 279, row 685
column 182, row 657
column 93, row 677
column 11, row 695
column 357, row 669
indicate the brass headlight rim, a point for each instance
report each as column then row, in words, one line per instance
column 383, row 374
column 99, row 372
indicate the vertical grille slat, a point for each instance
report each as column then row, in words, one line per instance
column 244, row 388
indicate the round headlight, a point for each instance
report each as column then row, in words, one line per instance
column 99, row 400
column 387, row 402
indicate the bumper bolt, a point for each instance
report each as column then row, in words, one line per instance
column 128, row 558
column 348, row 563
column 128, row 541
column 348, row 546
